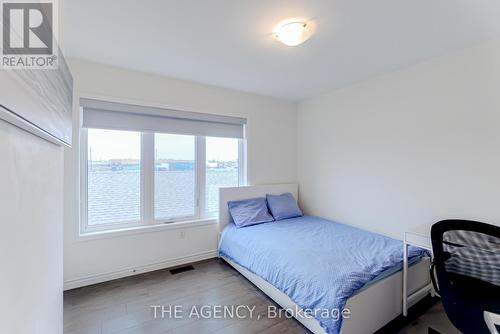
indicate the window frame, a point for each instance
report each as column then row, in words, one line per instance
column 147, row 187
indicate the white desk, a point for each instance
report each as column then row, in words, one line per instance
column 420, row 237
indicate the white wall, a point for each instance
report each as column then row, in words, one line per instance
column 271, row 156
column 31, row 241
column 408, row 148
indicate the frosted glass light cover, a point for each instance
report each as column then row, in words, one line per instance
column 293, row 33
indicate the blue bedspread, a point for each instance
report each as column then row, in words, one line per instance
column 319, row 264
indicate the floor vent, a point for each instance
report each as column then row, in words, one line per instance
column 181, row 269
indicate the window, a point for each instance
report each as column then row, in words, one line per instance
column 175, row 176
column 143, row 166
column 114, row 177
column 130, row 179
column 222, row 169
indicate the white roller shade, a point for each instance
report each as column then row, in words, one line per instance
column 118, row 116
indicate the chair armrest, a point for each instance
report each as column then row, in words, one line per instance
column 433, row 276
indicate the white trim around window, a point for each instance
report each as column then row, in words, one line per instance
column 147, row 189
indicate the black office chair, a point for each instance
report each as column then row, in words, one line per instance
column 467, row 266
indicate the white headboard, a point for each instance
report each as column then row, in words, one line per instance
column 239, row 193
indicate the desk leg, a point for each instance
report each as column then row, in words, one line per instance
column 405, row 279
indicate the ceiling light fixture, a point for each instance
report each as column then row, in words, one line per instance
column 292, row 33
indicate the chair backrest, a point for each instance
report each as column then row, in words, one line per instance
column 467, row 263
column 468, row 248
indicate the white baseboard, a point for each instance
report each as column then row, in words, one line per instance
column 99, row 278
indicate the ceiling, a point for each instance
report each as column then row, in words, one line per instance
column 228, row 43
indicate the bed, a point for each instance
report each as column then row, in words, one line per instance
column 289, row 260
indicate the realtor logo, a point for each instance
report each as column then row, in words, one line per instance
column 28, row 40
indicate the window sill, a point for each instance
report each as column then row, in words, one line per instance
column 87, row 236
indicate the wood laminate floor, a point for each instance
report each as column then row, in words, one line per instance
column 124, row 306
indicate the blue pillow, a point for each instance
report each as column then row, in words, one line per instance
column 283, row 206
column 249, row 212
